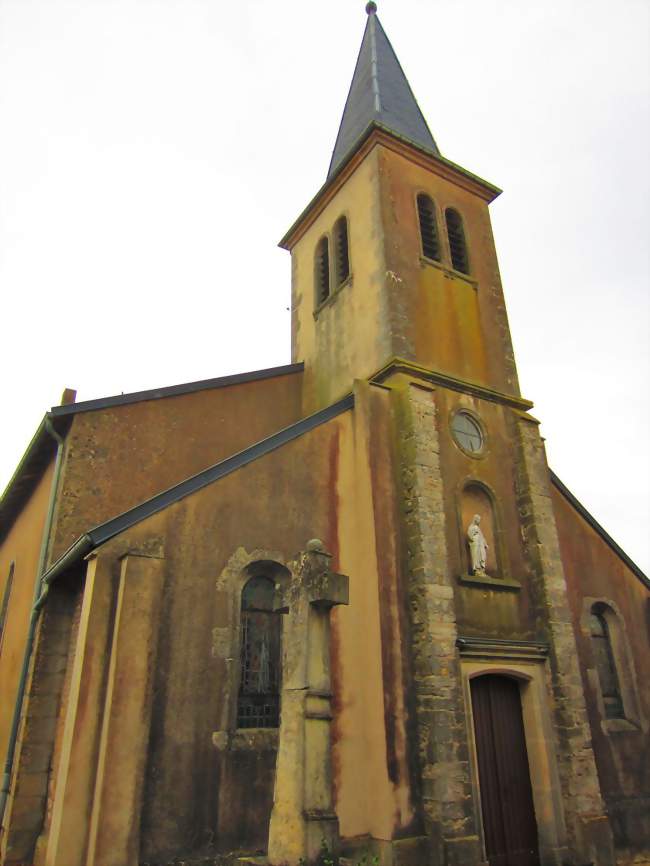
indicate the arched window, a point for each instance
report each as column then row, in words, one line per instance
column 258, row 705
column 457, row 244
column 322, row 270
column 341, row 251
column 428, row 227
column 605, row 664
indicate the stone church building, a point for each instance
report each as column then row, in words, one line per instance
column 345, row 599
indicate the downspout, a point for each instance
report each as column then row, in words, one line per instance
column 40, row 594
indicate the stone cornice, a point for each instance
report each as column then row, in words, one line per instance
column 408, row 368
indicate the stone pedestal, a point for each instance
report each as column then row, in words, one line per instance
column 303, row 812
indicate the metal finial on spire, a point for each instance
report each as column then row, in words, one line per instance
column 379, row 96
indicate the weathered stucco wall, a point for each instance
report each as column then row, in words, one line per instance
column 348, row 337
column 501, row 610
column 595, row 573
column 319, row 485
column 22, row 546
column 120, row 456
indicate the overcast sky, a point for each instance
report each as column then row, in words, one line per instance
column 153, row 152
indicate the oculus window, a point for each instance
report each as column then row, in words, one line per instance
column 467, row 433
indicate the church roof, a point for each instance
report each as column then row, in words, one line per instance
column 42, row 448
column 109, row 529
column 380, row 95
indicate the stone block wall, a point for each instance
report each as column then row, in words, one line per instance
column 444, row 758
column 588, row 833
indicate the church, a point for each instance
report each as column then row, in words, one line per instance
column 335, row 611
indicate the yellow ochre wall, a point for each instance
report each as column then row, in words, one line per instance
column 21, row 545
column 396, row 304
column 440, row 318
column 349, row 337
column 324, row 484
column 119, row 456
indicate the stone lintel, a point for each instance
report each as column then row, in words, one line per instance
column 491, row 648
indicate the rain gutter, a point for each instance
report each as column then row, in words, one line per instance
column 40, row 594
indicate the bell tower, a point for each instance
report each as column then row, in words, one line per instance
column 394, row 257
column 395, row 283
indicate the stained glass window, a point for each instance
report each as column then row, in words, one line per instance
column 258, row 705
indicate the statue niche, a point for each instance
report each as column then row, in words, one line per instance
column 479, row 531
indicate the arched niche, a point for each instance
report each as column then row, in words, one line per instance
column 475, row 500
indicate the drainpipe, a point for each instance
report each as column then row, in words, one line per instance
column 40, row 594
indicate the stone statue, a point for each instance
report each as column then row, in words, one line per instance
column 478, row 546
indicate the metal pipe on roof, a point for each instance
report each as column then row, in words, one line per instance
column 40, row 594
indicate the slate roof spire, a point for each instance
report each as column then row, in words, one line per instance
column 379, row 95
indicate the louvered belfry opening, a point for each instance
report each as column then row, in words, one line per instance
column 258, row 705
column 341, row 251
column 428, row 228
column 457, row 245
column 322, row 270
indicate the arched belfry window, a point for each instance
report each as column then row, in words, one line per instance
column 322, row 270
column 605, row 663
column 428, row 227
column 258, row 704
column 457, row 243
column 341, row 251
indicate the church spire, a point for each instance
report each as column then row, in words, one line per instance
column 380, row 96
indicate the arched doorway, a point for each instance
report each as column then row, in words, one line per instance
column 509, row 825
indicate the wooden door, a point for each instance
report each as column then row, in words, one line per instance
column 509, row 824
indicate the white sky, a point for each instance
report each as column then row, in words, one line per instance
column 152, row 152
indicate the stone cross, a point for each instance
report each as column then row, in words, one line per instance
column 303, row 811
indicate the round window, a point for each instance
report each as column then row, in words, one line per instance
column 467, row 432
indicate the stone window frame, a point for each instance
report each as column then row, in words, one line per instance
column 624, row 663
column 476, row 418
column 532, row 675
column 226, row 643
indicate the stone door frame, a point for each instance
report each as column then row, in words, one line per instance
column 540, row 745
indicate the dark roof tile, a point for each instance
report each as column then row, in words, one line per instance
column 379, row 95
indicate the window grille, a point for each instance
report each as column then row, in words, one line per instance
column 428, row 227
column 457, row 245
column 258, row 705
